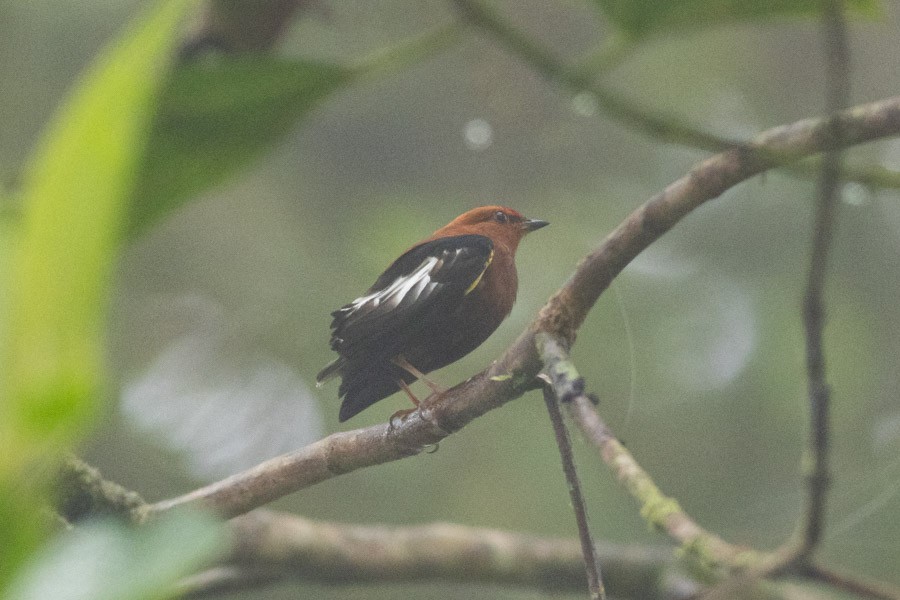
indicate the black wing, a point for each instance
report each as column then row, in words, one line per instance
column 426, row 282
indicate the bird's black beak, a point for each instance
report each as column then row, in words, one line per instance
column 532, row 224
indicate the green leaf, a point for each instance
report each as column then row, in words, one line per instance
column 57, row 257
column 74, row 195
column 21, row 528
column 108, row 560
column 640, row 18
column 7, row 233
column 216, row 118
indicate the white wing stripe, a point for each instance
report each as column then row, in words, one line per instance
column 399, row 288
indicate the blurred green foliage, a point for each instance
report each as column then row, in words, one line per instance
column 60, row 253
column 74, row 196
column 215, row 118
column 109, row 560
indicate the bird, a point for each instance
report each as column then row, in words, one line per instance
column 436, row 303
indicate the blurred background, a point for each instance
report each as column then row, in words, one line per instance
column 221, row 311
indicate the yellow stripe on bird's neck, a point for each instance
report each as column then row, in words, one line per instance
column 475, row 283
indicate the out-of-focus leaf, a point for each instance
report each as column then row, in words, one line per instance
column 111, row 561
column 640, row 18
column 74, row 194
column 58, row 257
column 21, row 530
column 216, row 118
column 7, row 231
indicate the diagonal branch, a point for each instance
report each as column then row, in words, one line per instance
column 659, row 125
column 663, row 126
column 662, row 512
column 514, row 371
column 591, row 563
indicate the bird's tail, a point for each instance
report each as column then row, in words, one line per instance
column 330, row 371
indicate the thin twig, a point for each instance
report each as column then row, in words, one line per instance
column 591, row 565
column 408, row 52
column 666, row 127
column 708, row 550
column 818, row 478
column 657, row 124
column 605, row 58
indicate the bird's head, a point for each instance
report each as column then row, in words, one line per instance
column 499, row 223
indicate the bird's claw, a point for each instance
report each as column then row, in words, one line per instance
column 399, row 417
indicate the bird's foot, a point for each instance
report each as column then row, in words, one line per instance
column 399, row 417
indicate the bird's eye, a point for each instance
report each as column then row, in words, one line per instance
column 500, row 217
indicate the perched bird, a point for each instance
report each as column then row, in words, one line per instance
column 436, row 303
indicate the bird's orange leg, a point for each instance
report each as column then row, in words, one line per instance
column 409, row 368
column 402, row 414
column 405, row 387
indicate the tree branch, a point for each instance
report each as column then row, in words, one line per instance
column 270, row 547
column 285, row 546
column 591, row 564
column 656, row 124
column 514, row 371
column 838, row 92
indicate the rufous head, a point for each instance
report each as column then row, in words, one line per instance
column 500, row 223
